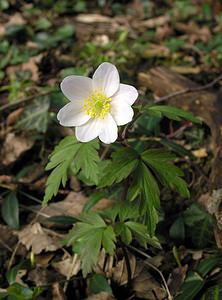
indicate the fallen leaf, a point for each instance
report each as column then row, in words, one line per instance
column 68, row 266
column 93, row 18
column 14, row 146
column 21, row 273
column 120, row 273
column 42, row 260
column 155, row 50
column 57, row 292
column 42, row 276
column 36, row 238
column 101, row 296
column 186, row 69
column 7, row 238
column 16, row 19
column 30, row 65
column 200, row 153
column 13, row 116
column 72, row 205
column 176, row 279
column 145, row 286
column 155, row 22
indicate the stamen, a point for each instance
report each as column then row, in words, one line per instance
column 97, row 105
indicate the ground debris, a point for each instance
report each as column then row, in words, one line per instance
column 38, row 239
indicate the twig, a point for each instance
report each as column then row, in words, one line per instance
column 154, row 268
column 128, row 267
column 69, row 275
column 13, row 255
column 29, row 98
column 190, row 89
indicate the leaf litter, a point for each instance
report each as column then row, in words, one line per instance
column 183, row 37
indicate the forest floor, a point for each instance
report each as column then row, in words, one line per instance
column 162, row 48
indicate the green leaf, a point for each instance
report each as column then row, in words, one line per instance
column 87, row 160
column 10, row 210
column 172, row 113
column 177, row 229
column 139, row 231
column 169, row 174
column 60, row 159
column 67, row 220
column 88, row 236
column 199, row 226
column 124, row 232
column 108, row 240
column 35, row 116
column 93, row 200
column 124, row 161
column 191, row 286
column 208, row 264
column 214, row 293
column 195, row 281
column 150, row 195
column 98, row 283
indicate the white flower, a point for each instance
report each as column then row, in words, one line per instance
column 97, row 105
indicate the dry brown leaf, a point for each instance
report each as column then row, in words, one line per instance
column 101, row 296
column 57, row 292
column 145, row 286
column 21, row 273
column 14, row 146
column 194, row 31
column 16, row 19
column 68, row 266
column 186, row 69
column 36, row 238
column 155, row 50
column 93, row 18
column 13, row 116
column 162, row 32
column 42, row 276
column 218, row 237
column 7, row 238
column 177, row 278
column 43, row 260
column 200, row 153
column 119, row 272
column 30, row 65
column 72, row 205
column 155, row 22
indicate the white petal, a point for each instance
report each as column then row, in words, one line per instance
column 121, row 112
column 90, row 130
column 106, row 78
column 126, row 93
column 110, row 131
column 72, row 114
column 76, row 88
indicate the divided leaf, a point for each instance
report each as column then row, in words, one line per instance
column 168, row 174
column 83, row 157
column 60, row 159
column 88, row 236
column 87, row 160
column 147, row 188
column 124, row 161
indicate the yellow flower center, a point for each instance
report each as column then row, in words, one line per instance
column 97, row 105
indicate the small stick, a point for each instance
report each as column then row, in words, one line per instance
column 154, row 268
column 189, row 90
column 29, row 98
